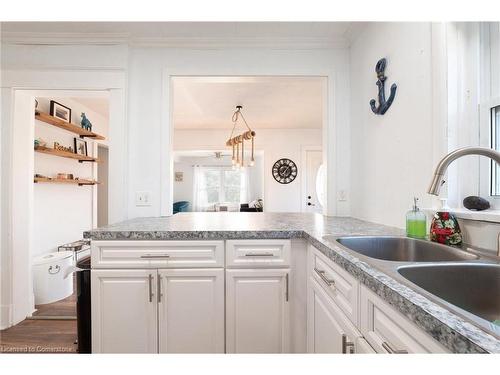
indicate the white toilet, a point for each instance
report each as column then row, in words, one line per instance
column 49, row 282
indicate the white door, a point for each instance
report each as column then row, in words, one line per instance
column 257, row 311
column 310, row 201
column 124, row 311
column 191, row 310
column 328, row 329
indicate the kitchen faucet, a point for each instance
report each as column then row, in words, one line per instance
column 438, row 179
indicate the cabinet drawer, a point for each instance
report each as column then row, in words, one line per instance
column 389, row 331
column 328, row 328
column 157, row 254
column 258, row 253
column 342, row 287
column 361, row 346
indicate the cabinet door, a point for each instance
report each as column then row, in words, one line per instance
column 328, row 329
column 124, row 311
column 191, row 310
column 257, row 311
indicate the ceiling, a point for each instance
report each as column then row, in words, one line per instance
column 319, row 34
column 268, row 102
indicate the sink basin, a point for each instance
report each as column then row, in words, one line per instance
column 402, row 249
column 472, row 287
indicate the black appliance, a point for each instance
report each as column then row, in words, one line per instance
column 83, row 321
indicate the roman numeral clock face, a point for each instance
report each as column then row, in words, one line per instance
column 284, row 171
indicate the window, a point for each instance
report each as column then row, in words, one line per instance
column 320, row 185
column 218, row 185
column 495, row 144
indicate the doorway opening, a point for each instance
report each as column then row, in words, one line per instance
column 287, row 114
column 58, row 133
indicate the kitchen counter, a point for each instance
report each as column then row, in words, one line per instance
column 455, row 332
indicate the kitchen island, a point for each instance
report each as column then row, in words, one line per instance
column 233, row 240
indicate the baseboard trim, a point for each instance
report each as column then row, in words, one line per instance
column 5, row 316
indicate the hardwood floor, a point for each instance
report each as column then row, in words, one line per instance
column 40, row 336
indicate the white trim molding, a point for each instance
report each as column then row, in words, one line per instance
column 318, row 42
column 17, row 224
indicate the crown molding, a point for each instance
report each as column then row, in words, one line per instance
column 29, row 38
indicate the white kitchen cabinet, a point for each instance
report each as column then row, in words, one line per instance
column 340, row 285
column 124, row 311
column 328, row 328
column 258, row 253
column 389, row 331
column 361, row 346
column 157, row 254
column 191, row 310
column 151, row 311
column 257, row 311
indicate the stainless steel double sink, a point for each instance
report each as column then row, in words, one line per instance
column 459, row 279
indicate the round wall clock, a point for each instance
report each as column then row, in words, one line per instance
column 284, row 171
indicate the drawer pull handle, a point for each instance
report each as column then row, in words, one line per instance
column 150, row 281
column 159, row 289
column 391, row 350
column 321, row 274
column 159, row 256
column 259, row 254
column 347, row 344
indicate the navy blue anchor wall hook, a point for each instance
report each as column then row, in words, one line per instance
column 383, row 104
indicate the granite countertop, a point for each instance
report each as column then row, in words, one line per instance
column 453, row 331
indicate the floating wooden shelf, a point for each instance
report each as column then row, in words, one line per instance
column 67, row 126
column 63, row 181
column 65, row 154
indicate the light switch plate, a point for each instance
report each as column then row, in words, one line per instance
column 342, row 196
column 142, row 198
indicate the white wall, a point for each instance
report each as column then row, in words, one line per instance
column 275, row 144
column 149, row 100
column 98, row 69
column 63, row 212
column 183, row 190
column 391, row 155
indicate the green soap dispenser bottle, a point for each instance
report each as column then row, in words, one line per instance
column 416, row 222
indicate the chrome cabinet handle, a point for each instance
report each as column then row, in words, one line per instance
column 286, row 290
column 158, row 288
column 159, row 256
column 150, row 281
column 259, row 255
column 321, row 274
column 347, row 344
column 391, row 350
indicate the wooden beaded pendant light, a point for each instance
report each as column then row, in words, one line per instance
column 235, row 141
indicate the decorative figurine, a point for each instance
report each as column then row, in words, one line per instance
column 383, row 104
column 86, row 124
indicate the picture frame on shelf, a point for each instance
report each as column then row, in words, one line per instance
column 81, row 147
column 60, row 111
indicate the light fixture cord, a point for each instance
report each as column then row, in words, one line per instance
column 235, row 117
